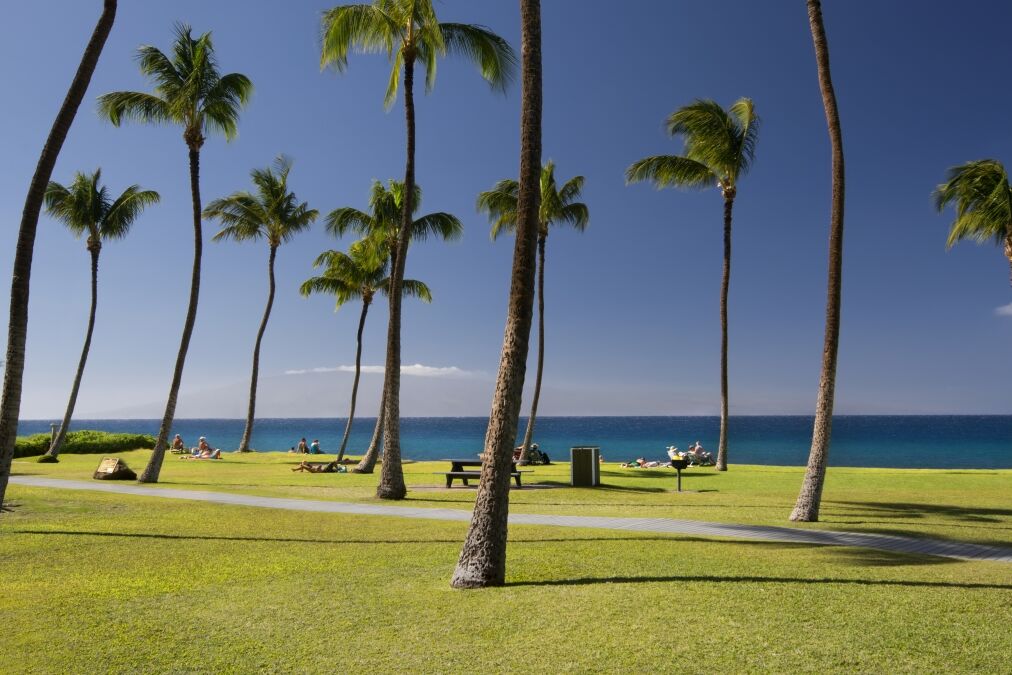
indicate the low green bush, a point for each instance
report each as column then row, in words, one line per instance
column 83, row 442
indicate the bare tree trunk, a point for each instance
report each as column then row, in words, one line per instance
column 391, row 485
column 483, row 558
column 61, row 436
column 807, row 506
column 354, row 386
column 368, row 462
column 251, row 410
column 154, row 467
column 17, row 325
column 725, row 282
column 529, row 433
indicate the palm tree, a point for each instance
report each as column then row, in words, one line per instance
column 719, row 149
column 85, row 207
column 807, row 506
column 17, row 324
column 357, row 275
column 273, row 214
column 557, row 208
column 381, row 225
column 408, row 31
column 982, row 196
column 482, row 559
column 190, row 92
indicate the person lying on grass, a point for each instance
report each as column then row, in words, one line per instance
column 317, row 467
column 204, row 451
column 641, row 463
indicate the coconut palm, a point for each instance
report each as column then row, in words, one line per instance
column 981, row 193
column 557, row 208
column 719, row 150
column 408, row 31
column 272, row 214
column 382, row 226
column 17, row 324
column 188, row 91
column 357, row 275
column 482, row 560
column 810, row 497
column 87, row 208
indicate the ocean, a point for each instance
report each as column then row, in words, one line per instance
column 942, row 442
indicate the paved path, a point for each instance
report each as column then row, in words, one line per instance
column 948, row 549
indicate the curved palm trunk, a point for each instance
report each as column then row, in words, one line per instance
column 724, row 284
column 391, row 485
column 368, row 462
column 251, row 411
column 483, row 558
column 354, row 386
column 154, row 467
column 807, row 506
column 54, row 449
column 17, row 326
column 529, row 434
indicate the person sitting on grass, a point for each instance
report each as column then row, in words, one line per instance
column 205, row 451
column 314, row 448
column 178, row 447
column 303, row 449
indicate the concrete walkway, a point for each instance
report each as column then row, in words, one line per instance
column 936, row 547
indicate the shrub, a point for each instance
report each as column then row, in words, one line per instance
column 83, row 442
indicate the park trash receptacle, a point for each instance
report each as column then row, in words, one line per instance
column 584, row 466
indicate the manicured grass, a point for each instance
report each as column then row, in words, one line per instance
column 113, row 583
column 962, row 505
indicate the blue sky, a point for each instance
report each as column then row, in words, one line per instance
column 632, row 303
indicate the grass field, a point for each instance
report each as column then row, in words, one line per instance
column 114, row 583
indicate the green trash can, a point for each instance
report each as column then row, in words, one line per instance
column 584, row 466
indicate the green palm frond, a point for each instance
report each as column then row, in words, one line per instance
column 413, row 288
column 671, row 171
column 85, row 207
column 273, row 213
column 348, row 219
column 748, row 121
column 494, row 57
column 188, row 90
column 982, row 197
column 441, row 225
column 558, row 205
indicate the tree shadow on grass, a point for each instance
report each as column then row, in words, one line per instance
column 735, row 579
column 921, row 510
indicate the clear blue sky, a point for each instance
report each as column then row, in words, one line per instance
column 632, row 303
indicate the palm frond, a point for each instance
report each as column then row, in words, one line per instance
column 671, row 170
column 982, row 197
column 365, row 27
column 445, row 226
column 749, row 122
column 123, row 212
column 224, row 101
column 412, row 288
column 710, row 135
column 120, row 106
column 345, row 219
column 494, row 57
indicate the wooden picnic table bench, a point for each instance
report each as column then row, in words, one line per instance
column 458, row 471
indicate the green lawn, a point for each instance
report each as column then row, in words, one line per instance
column 102, row 582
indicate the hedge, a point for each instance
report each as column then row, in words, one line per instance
column 83, row 442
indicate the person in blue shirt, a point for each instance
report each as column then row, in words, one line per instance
column 314, row 448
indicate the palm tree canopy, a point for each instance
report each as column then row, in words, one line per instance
column 358, row 274
column 188, row 90
column 85, row 206
column 272, row 213
column 719, row 147
column 982, row 196
column 383, row 221
column 409, row 29
column 557, row 205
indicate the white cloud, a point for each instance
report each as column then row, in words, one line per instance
column 416, row 369
column 1004, row 310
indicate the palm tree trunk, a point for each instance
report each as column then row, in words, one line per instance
column 154, row 467
column 391, row 485
column 483, row 558
column 725, row 282
column 17, row 325
column 368, row 462
column 529, row 434
column 807, row 506
column 1008, row 252
column 251, row 410
column 54, row 449
column 354, row 385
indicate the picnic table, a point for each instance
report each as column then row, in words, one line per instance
column 459, row 471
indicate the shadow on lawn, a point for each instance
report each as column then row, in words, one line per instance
column 917, row 510
column 759, row 580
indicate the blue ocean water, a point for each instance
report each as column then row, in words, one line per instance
column 979, row 442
